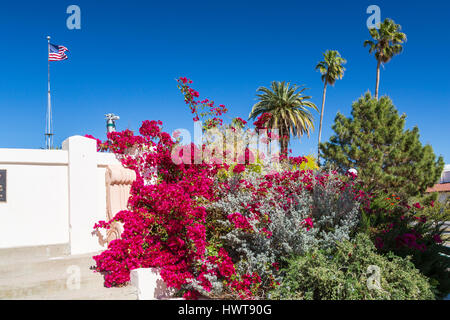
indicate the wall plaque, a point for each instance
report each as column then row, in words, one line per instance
column 2, row 185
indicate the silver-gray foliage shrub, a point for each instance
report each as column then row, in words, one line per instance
column 331, row 207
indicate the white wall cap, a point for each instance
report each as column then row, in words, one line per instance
column 33, row 156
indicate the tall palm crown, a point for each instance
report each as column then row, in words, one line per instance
column 289, row 109
column 331, row 69
column 387, row 42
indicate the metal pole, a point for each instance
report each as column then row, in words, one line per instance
column 48, row 125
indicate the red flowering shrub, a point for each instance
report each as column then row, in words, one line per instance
column 189, row 218
column 168, row 225
column 395, row 224
column 239, row 168
column 247, row 285
column 308, row 223
column 202, row 109
column 165, row 226
column 262, row 219
column 262, row 121
column 411, row 230
column 239, row 122
column 240, row 222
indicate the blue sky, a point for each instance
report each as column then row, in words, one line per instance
column 127, row 55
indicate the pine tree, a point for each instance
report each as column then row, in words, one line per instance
column 387, row 157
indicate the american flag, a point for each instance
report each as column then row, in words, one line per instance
column 56, row 53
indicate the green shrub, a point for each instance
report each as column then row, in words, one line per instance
column 415, row 230
column 345, row 273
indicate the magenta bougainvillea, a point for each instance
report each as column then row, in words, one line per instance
column 168, row 224
column 165, row 226
column 205, row 109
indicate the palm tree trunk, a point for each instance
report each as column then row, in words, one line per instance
column 321, row 119
column 284, row 142
column 378, row 79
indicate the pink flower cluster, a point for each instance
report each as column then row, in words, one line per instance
column 211, row 115
column 262, row 121
column 239, row 168
column 395, row 220
column 308, row 223
column 298, row 160
column 240, row 222
column 247, row 285
column 239, row 122
column 410, row 240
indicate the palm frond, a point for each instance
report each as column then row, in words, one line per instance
column 289, row 107
column 388, row 41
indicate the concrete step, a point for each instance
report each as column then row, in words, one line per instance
column 25, row 266
column 60, row 287
column 45, row 275
column 47, row 251
column 61, row 269
column 101, row 293
column 41, row 287
column 50, row 282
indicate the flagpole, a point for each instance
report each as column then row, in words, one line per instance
column 48, row 129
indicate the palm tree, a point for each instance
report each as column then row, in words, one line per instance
column 331, row 69
column 387, row 43
column 289, row 109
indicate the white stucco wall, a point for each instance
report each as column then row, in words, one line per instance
column 36, row 211
column 54, row 196
column 445, row 177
